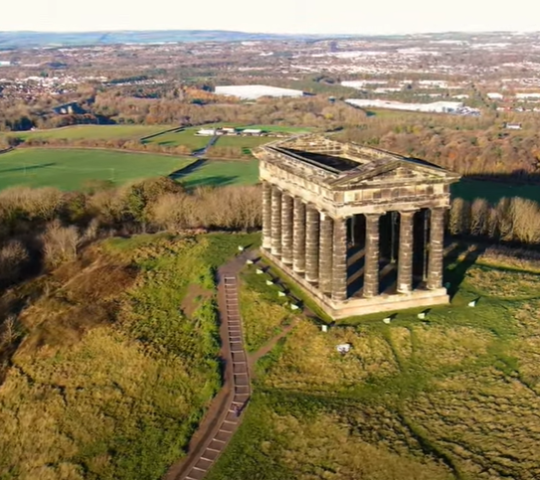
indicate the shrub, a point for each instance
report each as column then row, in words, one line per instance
column 59, row 243
column 13, row 258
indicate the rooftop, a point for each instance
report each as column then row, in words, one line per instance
column 336, row 162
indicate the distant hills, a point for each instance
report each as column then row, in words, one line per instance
column 43, row 39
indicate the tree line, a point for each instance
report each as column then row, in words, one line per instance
column 468, row 145
column 41, row 228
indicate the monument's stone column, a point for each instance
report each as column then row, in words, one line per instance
column 325, row 253
column 371, row 266
column 436, row 241
column 267, row 215
column 286, row 229
column 405, row 256
column 276, row 222
column 299, row 236
column 339, row 263
column 312, row 244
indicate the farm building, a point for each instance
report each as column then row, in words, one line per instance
column 252, row 92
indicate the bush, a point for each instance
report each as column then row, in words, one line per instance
column 59, row 244
column 13, row 258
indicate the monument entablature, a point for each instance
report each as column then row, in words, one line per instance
column 359, row 228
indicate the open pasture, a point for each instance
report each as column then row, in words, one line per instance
column 185, row 137
column 219, row 173
column 92, row 132
column 69, row 169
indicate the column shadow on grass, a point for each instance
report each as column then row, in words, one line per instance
column 455, row 276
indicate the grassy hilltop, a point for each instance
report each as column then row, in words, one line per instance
column 452, row 397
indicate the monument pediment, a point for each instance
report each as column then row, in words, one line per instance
column 344, row 164
column 391, row 173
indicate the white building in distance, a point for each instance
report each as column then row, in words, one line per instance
column 495, row 96
column 527, row 95
column 433, row 107
column 252, row 92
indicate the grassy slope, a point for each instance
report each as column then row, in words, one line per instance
column 112, row 376
column 93, row 132
column 454, row 397
column 68, row 169
column 222, row 173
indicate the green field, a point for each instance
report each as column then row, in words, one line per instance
column 185, row 137
column 188, row 138
column 493, row 191
column 93, row 132
column 68, row 169
column 451, row 397
column 222, row 173
column 243, row 142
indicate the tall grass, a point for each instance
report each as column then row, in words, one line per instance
column 111, row 378
column 450, row 397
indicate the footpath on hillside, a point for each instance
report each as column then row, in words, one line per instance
column 226, row 410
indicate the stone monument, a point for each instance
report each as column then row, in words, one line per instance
column 360, row 229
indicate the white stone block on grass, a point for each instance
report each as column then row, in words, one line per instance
column 249, row 262
column 281, row 294
column 294, row 307
column 259, row 271
column 422, row 315
column 387, row 320
column 269, row 282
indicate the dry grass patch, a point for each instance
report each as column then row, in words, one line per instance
column 261, row 319
column 65, row 411
column 486, row 420
column 309, row 359
column 308, row 453
column 494, row 282
column 437, row 346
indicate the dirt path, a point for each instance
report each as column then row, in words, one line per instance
column 225, row 412
column 266, row 348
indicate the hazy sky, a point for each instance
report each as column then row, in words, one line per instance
column 280, row 16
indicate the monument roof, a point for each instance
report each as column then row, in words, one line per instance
column 345, row 164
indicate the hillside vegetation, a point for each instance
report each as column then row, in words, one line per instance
column 452, row 397
column 109, row 362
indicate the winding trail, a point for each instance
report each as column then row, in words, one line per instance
column 225, row 412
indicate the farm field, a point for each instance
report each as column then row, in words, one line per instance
column 185, row 137
column 453, row 397
column 69, row 169
column 93, row 132
column 114, row 370
column 188, row 138
column 243, row 142
column 220, row 173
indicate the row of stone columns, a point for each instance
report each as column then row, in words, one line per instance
column 314, row 245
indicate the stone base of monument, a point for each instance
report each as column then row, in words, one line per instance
column 362, row 306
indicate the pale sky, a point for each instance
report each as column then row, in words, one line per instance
column 277, row 16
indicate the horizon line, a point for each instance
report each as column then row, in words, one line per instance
column 435, row 32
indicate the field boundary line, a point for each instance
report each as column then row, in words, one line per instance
column 118, row 150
